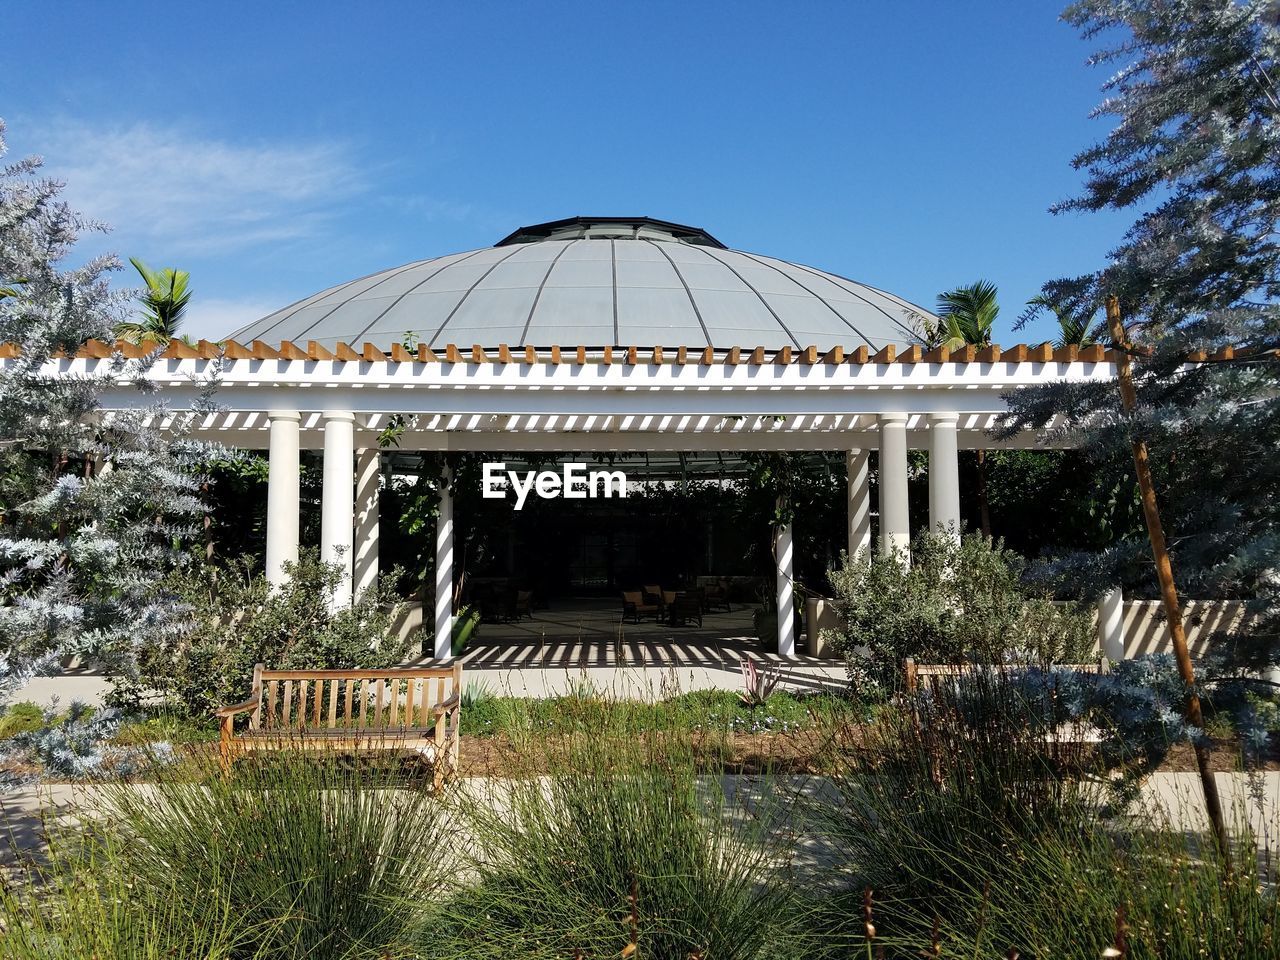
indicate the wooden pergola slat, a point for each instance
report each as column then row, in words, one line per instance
column 583, row 355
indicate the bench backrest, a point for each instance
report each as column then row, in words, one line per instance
column 386, row 699
column 931, row 673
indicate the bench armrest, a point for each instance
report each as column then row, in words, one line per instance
column 232, row 710
column 447, row 706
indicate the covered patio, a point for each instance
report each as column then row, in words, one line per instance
column 587, row 632
column 581, row 644
column 522, row 349
column 597, row 400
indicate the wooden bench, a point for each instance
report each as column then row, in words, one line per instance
column 931, row 673
column 415, row 709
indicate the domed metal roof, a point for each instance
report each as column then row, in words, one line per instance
column 598, row 282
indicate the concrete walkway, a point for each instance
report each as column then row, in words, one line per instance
column 85, row 684
column 653, row 681
column 1256, row 799
column 587, row 642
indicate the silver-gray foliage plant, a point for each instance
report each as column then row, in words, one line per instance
column 1194, row 154
column 95, row 510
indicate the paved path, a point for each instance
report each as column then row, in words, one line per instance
column 587, row 642
column 24, row 812
column 651, row 681
column 75, row 683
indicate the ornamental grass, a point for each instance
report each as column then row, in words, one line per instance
column 88, row 906
column 620, row 849
column 971, row 824
column 329, row 856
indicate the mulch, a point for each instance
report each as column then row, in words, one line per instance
column 782, row 753
column 802, row 752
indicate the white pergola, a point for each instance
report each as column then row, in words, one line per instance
column 286, row 398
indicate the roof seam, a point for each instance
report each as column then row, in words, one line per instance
column 394, row 303
column 299, row 304
column 342, row 303
column 848, row 323
column 528, row 321
column 684, row 283
column 613, row 260
column 463, row 299
column 749, row 286
column 875, row 306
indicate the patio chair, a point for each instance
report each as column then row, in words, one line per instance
column 524, row 604
column 635, row 605
column 684, row 608
column 715, row 594
column 653, row 593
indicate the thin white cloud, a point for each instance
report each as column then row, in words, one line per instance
column 196, row 195
column 216, row 319
column 432, row 209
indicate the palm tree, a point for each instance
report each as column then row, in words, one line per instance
column 163, row 304
column 1071, row 329
column 968, row 315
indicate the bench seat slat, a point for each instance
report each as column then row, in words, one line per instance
column 324, row 733
column 415, row 672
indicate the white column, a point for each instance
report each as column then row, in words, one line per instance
column 444, row 569
column 944, row 475
column 282, row 494
column 856, row 463
column 1111, row 624
column 784, row 553
column 895, row 520
column 337, row 508
column 368, row 478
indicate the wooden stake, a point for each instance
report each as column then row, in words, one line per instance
column 1164, row 572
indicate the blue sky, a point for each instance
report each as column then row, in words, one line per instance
column 274, row 149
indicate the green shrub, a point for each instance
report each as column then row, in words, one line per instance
column 620, row 845
column 21, row 717
column 954, row 602
column 465, row 626
column 237, row 620
column 165, row 726
column 335, row 855
column 707, row 711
